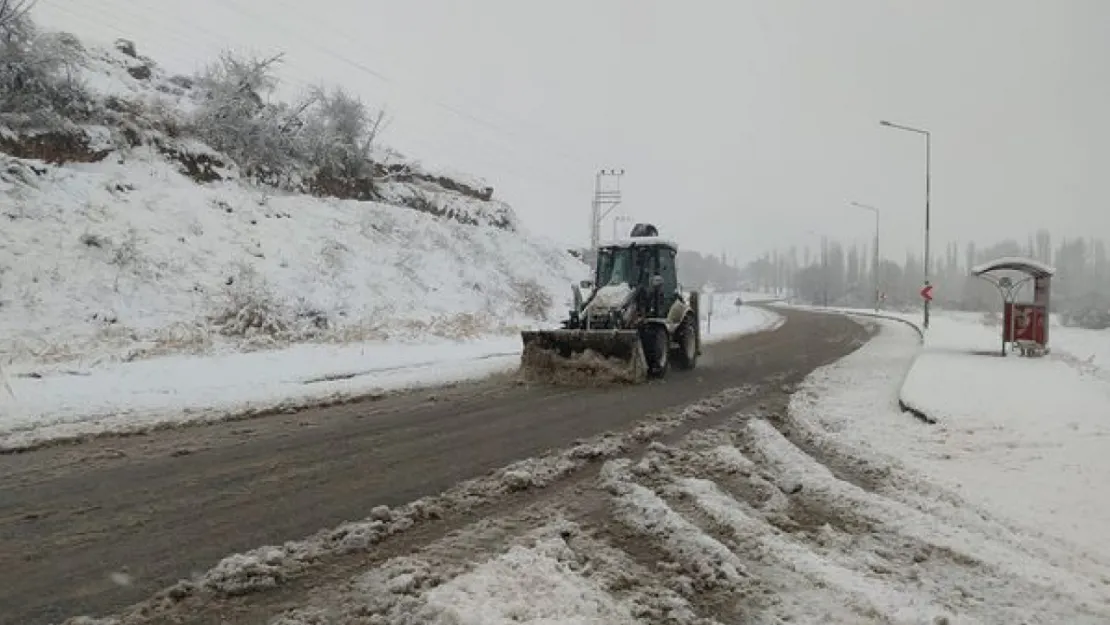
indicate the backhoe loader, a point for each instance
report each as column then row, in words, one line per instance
column 636, row 316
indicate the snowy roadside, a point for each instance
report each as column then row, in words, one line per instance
column 1041, row 423
column 1089, row 349
column 53, row 403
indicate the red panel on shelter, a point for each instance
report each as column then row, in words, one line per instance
column 1024, row 322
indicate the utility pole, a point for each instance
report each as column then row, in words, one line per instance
column 605, row 200
column 928, row 185
column 875, row 264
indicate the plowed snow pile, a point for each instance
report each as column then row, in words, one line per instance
column 586, row 369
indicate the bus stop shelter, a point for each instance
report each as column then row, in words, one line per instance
column 1024, row 325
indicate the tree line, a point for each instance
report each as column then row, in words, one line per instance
column 839, row 275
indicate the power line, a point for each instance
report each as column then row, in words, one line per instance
column 363, row 67
column 496, row 112
column 203, row 31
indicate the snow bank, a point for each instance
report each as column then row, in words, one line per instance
column 1042, row 422
column 1024, row 438
column 526, row 585
column 65, row 401
column 730, row 321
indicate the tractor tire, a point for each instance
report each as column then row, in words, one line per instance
column 656, row 350
column 685, row 357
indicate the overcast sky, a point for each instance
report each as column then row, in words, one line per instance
column 742, row 125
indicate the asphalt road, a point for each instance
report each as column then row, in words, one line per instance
column 94, row 527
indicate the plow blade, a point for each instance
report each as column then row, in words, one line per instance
column 584, row 356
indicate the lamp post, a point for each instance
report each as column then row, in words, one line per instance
column 875, row 263
column 928, row 183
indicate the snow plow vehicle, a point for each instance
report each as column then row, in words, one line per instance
column 635, row 324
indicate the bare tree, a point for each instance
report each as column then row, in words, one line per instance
column 236, row 116
column 340, row 133
column 13, row 17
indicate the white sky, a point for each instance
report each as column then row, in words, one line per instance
column 741, row 124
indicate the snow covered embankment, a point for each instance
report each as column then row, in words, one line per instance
column 126, row 260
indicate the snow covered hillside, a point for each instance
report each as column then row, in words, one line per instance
column 124, row 236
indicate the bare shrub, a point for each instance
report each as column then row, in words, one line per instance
column 40, row 86
column 533, row 300
column 236, row 118
column 179, row 337
column 339, row 134
column 1087, row 318
column 249, row 308
column 128, row 253
column 334, row 255
column 328, row 136
column 14, row 18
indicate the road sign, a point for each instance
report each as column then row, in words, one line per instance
column 927, row 293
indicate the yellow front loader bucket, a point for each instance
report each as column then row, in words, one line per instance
column 589, row 357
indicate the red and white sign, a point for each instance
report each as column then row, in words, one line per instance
column 927, row 293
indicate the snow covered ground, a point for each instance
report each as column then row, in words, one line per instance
column 1026, row 437
column 833, row 507
column 1089, row 349
column 1043, row 424
column 67, row 400
column 844, row 511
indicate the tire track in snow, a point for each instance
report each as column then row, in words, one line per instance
column 748, row 517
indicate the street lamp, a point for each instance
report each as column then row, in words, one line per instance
column 875, row 269
column 928, row 177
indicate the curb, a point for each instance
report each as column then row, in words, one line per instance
column 918, row 414
column 904, row 406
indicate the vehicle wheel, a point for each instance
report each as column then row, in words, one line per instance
column 686, row 356
column 656, row 348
